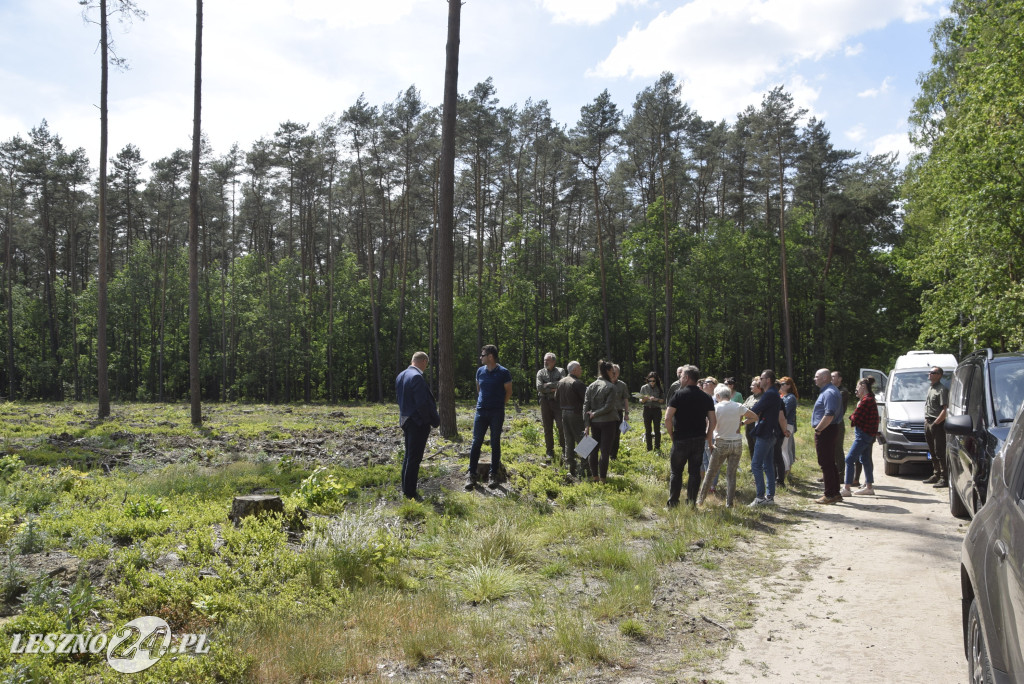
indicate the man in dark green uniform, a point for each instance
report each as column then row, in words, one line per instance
column 570, row 394
column 934, row 431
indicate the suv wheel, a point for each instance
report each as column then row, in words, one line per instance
column 979, row 667
column 892, row 468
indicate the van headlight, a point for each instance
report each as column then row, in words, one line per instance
column 897, row 424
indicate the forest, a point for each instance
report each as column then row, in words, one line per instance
column 643, row 233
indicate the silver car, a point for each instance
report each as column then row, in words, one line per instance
column 992, row 571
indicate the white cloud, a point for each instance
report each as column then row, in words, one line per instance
column 341, row 14
column 584, row 11
column 854, row 50
column 805, row 96
column 875, row 92
column 857, row 133
column 894, row 142
column 728, row 53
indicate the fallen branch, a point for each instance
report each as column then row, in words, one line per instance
column 722, row 627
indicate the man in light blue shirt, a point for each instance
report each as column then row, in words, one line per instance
column 823, row 419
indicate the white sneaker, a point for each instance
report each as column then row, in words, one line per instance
column 845, row 491
column 759, row 501
column 866, row 490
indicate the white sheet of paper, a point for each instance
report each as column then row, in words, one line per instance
column 586, row 445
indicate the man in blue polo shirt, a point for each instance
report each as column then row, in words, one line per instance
column 494, row 388
column 827, row 406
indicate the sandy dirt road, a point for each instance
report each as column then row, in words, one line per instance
column 869, row 592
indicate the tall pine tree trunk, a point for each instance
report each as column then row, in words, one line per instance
column 193, row 231
column 102, row 388
column 600, row 258
column 446, row 225
column 786, row 334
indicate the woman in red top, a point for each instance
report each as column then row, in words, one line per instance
column 864, row 420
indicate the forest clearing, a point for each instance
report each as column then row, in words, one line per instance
column 106, row 522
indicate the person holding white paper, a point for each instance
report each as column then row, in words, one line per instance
column 570, row 393
column 601, row 414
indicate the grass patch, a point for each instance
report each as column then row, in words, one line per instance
column 488, row 581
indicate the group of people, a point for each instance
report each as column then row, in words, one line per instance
column 704, row 421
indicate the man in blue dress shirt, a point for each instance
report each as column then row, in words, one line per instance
column 494, row 387
column 827, row 406
column 417, row 414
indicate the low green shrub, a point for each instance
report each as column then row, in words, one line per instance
column 354, row 548
column 323, row 490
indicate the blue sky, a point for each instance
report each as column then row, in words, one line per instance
column 851, row 63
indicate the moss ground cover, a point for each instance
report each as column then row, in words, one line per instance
column 544, row 579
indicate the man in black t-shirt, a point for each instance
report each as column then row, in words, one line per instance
column 690, row 424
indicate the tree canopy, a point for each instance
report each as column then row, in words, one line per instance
column 647, row 234
column 965, row 192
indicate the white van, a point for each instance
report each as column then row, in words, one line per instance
column 900, row 395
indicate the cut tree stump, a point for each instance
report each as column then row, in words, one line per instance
column 255, row 504
column 483, row 471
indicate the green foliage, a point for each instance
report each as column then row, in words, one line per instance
column 145, row 507
column 354, row 548
column 10, row 467
column 11, row 580
column 634, row 629
column 964, row 199
column 29, row 538
column 323, row 489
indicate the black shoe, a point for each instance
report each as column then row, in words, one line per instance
column 494, row 484
column 941, row 484
column 470, row 484
column 415, row 497
column 933, row 479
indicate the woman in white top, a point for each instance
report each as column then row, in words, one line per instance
column 728, row 444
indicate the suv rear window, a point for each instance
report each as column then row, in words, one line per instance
column 1007, row 389
column 912, row 385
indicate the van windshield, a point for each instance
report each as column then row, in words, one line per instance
column 912, row 385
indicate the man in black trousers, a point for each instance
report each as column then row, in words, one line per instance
column 417, row 414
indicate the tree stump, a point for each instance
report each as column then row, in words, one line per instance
column 255, row 504
column 483, row 471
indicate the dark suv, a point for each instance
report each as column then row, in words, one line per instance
column 992, row 572
column 984, row 397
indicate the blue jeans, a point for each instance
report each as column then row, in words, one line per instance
column 763, row 464
column 860, row 452
column 493, row 419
